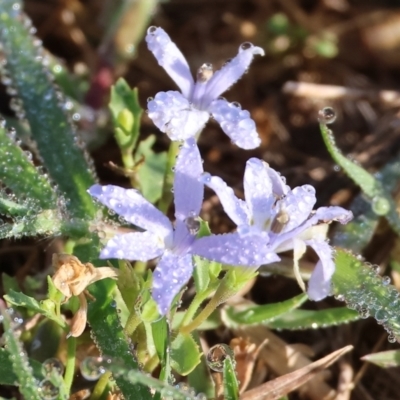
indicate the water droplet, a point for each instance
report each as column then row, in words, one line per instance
column 47, row 390
column 216, row 356
column 246, row 46
column 386, row 280
column 53, row 364
column 392, row 338
column 380, row 205
column 193, row 225
column 92, row 368
column 327, row 115
column 152, row 30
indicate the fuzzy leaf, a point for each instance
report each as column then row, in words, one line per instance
column 19, row 361
column 18, row 173
column 7, row 375
column 185, row 354
column 367, row 292
column 50, row 125
column 382, row 202
column 111, row 339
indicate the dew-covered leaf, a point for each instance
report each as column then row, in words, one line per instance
column 18, row 173
column 19, row 361
column 367, row 292
column 110, row 337
column 7, row 375
column 310, row 319
column 382, row 202
column 42, row 105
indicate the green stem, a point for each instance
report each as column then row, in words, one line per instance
column 101, row 386
column 194, row 306
column 223, row 293
column 166, row 196
column 70, row 364
column 132, row 323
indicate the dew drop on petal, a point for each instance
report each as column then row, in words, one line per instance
column 327, row 115
column 216, row 356
column 152, row 30
column 245, row 46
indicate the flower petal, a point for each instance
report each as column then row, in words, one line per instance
column 223, row 79
column 188, row 190
column 329, row 214
column 233, row 249
column 172, row 113
column 297, row 205
column 131, row 205
column 236, row 123
column 235, row 208
column 279, row 187
column 319, row 285
column 138, row 246
column 170, row 58
column 171, row 273
column 258, row 191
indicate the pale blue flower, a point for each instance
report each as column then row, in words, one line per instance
column 182, row 115
column 284, row 217
column 174, row 245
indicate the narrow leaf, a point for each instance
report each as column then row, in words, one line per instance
column 231, row 384
column 308, row 319
column 42, row 106
column 263, row 314
column 384, row 359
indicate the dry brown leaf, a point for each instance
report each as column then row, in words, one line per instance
column 282, row 359
column 246, row 354
column 71, row 278
column 283, row 385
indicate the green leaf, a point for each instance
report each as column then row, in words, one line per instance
column 151, row 172
column 19, row 361
column 111, row 339
column 18, row 173
column 309, row 319
column 367, row 292
column 357, row 234
column 231, row 384
column 384, row 359
column 200, row 378
column 11, row 208
column 382, row 202
column 185, row 354
column 46, row 307
column 7, row 375
column 51, row 127
column 126, row 113
column 262, row 314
